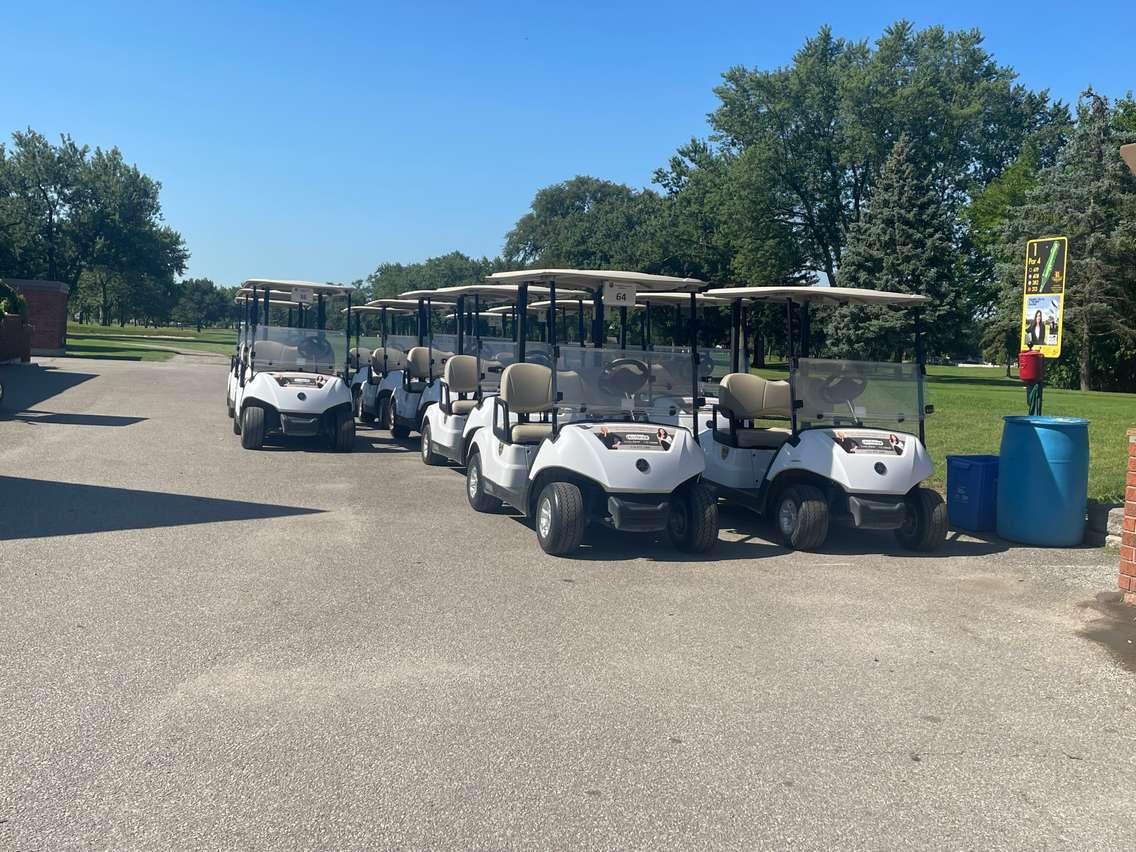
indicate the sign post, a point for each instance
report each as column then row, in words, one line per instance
column 1043, row 312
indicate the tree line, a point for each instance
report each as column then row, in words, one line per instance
column 914, row 162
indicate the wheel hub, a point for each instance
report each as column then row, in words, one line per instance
column 545, row 518
column 787, row 517
column 473, row 484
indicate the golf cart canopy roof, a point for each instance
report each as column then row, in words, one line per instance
column 493, row 292
column 831, row 295
column 244, row 294
column 593, row 279
column 393, row 304
column 288, row 285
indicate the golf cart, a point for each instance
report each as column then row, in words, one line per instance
column 592, row 440
column 839, row 441
column 473, row 372
column 397, row 319
column 287, row 381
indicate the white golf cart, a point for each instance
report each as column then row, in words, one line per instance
column 397, row 335
column 594, row 440
column 289, row 380
column 839, row 441
column 473, row 372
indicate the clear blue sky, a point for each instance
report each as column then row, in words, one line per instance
column 315, row 140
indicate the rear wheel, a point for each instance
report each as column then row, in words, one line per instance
column 344, row 438
column 399, row 432
column 560, row 518
column 237, row 423
column 429, row 456
column 802, row 517
column 252, row 428
column 229, row 405
column 925, row 525
column 475, row 487
column 693, row 525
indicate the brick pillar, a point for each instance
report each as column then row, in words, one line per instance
column 1128, row 535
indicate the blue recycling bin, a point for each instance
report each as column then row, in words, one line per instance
column 972, row 492
column 1043, row 480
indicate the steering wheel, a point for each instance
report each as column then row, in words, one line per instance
column 316, row 349
column 624, row 377
column 841, row 389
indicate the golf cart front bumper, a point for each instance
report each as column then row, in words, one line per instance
column 877, row 513
column 300, row 425
column 638, row 515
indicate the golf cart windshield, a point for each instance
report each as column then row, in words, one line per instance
column 308, row 350
column 597, row 383
column 858, row 393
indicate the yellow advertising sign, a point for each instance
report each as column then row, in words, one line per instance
column 1043, row 297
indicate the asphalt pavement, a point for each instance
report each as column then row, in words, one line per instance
column 207, row 647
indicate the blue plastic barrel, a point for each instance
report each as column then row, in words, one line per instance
column 1043, row 480
column 972, row 492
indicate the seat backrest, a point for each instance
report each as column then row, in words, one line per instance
column 359, row 357
column 273, row 351
column 750, row 397
column 570, row 386
column 396, row 358
column 418, row 362
column 526, row 387
column 461, row 373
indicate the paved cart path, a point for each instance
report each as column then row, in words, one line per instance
column 208, row 647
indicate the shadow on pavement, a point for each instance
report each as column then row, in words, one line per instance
column 320, row 444
column 37, row 508
column 38, row 417
column 27, row 385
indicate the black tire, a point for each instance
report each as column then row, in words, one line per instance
column 428, row 455
column 252, row 428
column 925, row 527
column 229, row 405
column 475, row 487
column 364, row 415
column 237, row 423
column 382, row 415
column 693, row 526
column 399, row 432
column 559, row 518
column 801, row 515
column 344, row 438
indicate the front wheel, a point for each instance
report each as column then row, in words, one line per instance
column 428, row 455
column 560, row 518
column 802, row 517
column 252, row 428
column 475, row 487
column 693, row 524
column 925, row 524
column 343, row 438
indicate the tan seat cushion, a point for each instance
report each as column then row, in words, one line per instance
column 750, row 397
column 460, row 374
column 526, row 388
column 530, row 433
column 418, row 362
column 360, row 358
column 463, row 406
column 396, row 358
column 762, row 439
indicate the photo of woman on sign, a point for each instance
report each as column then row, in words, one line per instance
column 1035, row 336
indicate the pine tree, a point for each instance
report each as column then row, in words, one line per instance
column 901, row 244
column 1090, row 197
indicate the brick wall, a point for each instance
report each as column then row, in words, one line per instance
column 1128, row 535
column 47, row 313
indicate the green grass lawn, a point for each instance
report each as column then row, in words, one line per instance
column 139, row 343
column 970, row 403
